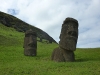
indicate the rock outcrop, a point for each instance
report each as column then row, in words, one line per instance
column 21, row 26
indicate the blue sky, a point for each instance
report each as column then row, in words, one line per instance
column 49, row 15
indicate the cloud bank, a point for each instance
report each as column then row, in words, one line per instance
column 49, row 15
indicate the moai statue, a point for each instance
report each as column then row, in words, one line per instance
column 68, row 41
column 30, row 43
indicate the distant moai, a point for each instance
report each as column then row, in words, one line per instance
column 30, row 43
column 68, row 41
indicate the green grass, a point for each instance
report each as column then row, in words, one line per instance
column 13, row 61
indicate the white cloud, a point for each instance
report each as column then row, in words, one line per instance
column 50, row 14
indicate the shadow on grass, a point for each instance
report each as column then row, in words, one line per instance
column 81, row 60
column 87, row 59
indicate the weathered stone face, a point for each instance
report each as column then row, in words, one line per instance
column 68, row 41
column 69, row 34
column 30, row 43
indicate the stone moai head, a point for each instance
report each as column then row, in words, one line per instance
column 69, row 34
column 30, row 43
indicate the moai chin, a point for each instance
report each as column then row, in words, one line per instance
column 30, row 43
column 68, row 40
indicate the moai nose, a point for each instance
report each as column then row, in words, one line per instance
column 30, row 41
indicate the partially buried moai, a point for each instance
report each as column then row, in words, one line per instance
column 68, row 41
column 30, row 43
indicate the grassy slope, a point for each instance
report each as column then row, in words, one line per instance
column 21, row 26
column 13, row 61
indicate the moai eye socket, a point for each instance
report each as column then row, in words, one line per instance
column 27, row 35
column 72, row 33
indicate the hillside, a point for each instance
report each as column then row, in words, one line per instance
column 19, row 25
column 13, row 61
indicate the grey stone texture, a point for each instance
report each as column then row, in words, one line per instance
column 68, row 41
column 30, row 43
